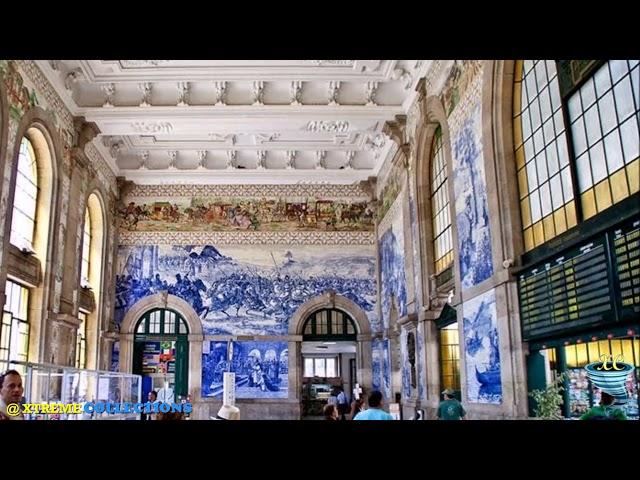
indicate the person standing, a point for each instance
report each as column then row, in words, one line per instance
column 343, row 404
column 450, row 408
column 374, row 412
column 11, row 391
column 604, row 411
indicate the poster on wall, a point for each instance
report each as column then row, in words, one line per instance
column 482, row 349
column 261, row 369
column 151, row 357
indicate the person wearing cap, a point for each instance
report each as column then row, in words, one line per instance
column 450, row 408
column 228, row 412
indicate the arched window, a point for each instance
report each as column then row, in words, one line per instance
column 91, row 272
column 25, row 198
column 329, row 324
column 162, row 322
column 576, row 136
column 14, row 330
column 86, row 248
column 442, row 241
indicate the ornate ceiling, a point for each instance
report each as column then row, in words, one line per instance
column 239, row 121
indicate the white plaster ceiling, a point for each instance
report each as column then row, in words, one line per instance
column 326, row 348
column 239, row 121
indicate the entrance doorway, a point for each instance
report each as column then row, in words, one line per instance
column 329, row 352
column 161, row 354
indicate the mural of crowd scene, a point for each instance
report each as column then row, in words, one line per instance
column 386, row 371
column 376, row 364
column 251, row 214
column 392, row 278
column 481, row 348
column 261, row 368
column 245, row 291
column 472, row 212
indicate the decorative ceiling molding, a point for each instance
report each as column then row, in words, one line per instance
column 332, row 126
column 142, row 63
column 235, row 70
column 249, row 176
column 151, row 127
column 62, row 114
column 199, row 107
column 245, row 238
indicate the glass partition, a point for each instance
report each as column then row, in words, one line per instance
column 54, row 384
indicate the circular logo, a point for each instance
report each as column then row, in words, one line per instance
column 13, row 409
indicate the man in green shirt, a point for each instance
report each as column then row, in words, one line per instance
column 450, row 408
column 604, row 411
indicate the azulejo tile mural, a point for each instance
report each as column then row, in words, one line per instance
column 240, row 290
column 422, row 391
column 392, row 277
column 481, row 349
column 458, row 82
column 19, row 96
column 386, row 370
column 376, row 364
column 472, row 212
column 406, row 366
column 261, row 368
column 391, row 189
column 215, row 214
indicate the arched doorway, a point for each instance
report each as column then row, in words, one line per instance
column 328, row 358
column 165, row 301
column 161, row 354
column 349, row 324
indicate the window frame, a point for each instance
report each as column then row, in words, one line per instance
column 575, row 217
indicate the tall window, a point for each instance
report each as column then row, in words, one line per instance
column 81, row 343
column 329, row 324
column 162, row 322
column 604, row 126
column 86, row 249
column 25, row 198
column 600, row 106
column 450, row 357
column 442, row 242
column 14, row 332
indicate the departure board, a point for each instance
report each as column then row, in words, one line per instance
column 568, row 291
column 626, row 242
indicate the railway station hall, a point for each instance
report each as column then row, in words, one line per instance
column 319, row 239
